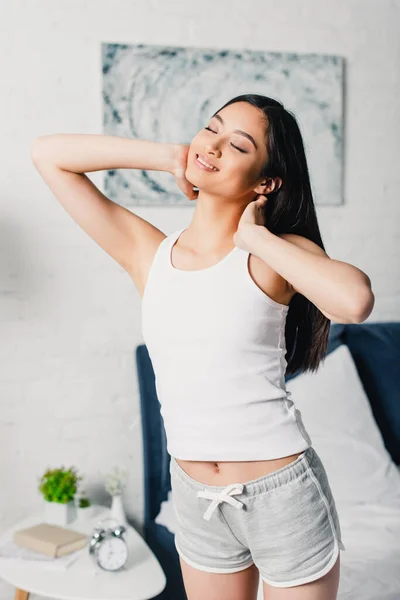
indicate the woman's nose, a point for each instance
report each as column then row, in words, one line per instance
column 213, row 149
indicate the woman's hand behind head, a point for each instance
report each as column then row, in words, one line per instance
column 179, row 170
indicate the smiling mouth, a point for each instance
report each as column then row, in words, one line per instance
column 203, row 166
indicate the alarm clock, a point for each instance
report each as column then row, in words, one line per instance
column 108, row 547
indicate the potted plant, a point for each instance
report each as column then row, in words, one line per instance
column 114, row 485
column 83, row 504
column 58, row 487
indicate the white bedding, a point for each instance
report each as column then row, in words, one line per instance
column 364, row 480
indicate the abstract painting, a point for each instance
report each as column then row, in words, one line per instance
column 167, row 94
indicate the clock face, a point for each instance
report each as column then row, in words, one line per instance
column 112, row 553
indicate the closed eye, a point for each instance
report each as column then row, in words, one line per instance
column 240, row 149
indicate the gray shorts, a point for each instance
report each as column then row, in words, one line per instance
column 284, row 522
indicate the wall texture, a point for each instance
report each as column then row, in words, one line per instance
column 69, row 314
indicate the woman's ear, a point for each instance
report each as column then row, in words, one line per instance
column 268, row 186
column 278, row 184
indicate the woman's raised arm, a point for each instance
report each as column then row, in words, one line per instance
column 84, row 153
column 63, row 159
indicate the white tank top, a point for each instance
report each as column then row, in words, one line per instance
column 217, row 345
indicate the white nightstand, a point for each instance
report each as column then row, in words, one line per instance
column 140, row 579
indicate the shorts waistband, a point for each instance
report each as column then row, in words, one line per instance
column 255, row 486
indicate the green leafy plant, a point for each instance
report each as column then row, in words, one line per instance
column 81, row 496
column 84, row 502
column 59, row 485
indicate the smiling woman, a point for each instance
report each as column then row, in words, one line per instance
column 235, row 318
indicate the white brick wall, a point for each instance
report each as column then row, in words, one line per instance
column 69, row 314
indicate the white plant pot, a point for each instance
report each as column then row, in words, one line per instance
column 86, row 513
column 117, row 509
column 57, row 513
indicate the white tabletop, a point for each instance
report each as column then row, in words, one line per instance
column 141, row 578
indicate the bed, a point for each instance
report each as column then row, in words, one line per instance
column 351, row 410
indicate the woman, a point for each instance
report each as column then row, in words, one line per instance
column 224, row 302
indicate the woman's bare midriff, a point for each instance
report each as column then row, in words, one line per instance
column 226, row 473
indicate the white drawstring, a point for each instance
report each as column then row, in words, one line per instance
column 222, row 496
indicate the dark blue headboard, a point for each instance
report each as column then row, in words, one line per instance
column 375, row 348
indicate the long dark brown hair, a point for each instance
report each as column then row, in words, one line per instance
column 291, row 209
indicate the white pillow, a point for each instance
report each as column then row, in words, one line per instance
column 166, row 516
column 337, row 415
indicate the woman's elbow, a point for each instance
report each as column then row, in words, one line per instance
column 36, row 149
column 364, row 306
column 39, row 146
